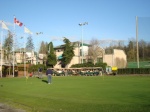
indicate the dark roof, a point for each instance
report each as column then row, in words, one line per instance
column 58, row 47
column 84, row 44
column 62, row 46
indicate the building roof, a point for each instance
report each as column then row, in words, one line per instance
column 77, row 42
column 84, row 44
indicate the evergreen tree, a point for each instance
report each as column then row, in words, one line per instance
column 51, row 58
column 68, row 52
column 43, row 48
column 29, row 44
column 8, row 44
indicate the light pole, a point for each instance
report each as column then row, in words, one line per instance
column 81, row 24
column 38, row 33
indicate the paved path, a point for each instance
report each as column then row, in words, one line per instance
column 5, row 108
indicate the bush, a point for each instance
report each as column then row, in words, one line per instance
column 89, row 64
column 34, row 68
column 134, row 71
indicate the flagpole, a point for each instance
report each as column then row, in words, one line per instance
column 24, row 55
column 19, row 24
column 1, row 54
column 6, row 28
column 14, row 46
column 26, row 30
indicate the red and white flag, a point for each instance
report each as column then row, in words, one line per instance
column 17, row 22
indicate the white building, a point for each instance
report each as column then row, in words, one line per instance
column 118, row 58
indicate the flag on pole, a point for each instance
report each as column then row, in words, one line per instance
column 4, row 26
column 26, row 30
column 17, row 22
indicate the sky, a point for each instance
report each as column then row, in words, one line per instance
column 107, row 19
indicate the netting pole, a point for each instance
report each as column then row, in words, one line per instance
column 137, row 46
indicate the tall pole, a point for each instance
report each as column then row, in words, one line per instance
column 38, row 33
column 81, row 24
column 82, row 42
column 6, row 28
column 24, row 55
column 137, row 46
column 14, row 48
column 1, row 53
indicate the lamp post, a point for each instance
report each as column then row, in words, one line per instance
column 38, row 33
column 81, row 24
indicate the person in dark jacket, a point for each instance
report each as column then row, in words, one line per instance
column 40, row 73
column 49, row 73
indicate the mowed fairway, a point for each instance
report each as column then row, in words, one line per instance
column 78, row 94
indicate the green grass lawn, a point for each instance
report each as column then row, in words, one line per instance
column 78, row 94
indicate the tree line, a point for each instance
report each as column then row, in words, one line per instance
column 131, row 50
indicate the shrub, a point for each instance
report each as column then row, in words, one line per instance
column 134, row 71
column 89, row 64
column 34, row 68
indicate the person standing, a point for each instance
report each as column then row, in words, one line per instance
column 49, row 73
column 40, row 73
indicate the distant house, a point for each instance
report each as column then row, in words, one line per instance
column 31, row 57
column 41, row 58
column 23, row 56
column 19, row 56
column 6, row 60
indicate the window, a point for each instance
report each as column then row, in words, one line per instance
column 90, row 60
column 80, row 52
column 84, row 60
column 99, row 60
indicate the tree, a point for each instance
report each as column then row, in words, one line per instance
column 131, row 51
column 68, row 52
column 43, row 48
column 51, row 58
column 29, row 44
column 147, row 51
column 8, row 44
column 142, row 49
column 94, row 50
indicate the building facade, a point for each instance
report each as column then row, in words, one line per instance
column 118, row 58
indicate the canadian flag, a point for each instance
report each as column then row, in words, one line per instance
column 18, row 22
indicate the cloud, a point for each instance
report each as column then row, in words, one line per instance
column 56, row 38
column 72, row 39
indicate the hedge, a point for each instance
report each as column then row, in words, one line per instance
column 134, row 71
